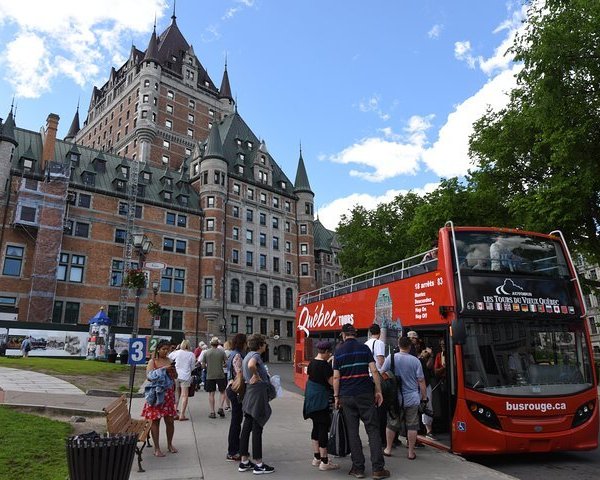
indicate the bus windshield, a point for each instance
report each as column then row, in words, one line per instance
column 500, row 252
column 526, row 357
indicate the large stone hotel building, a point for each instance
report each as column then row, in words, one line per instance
column 162, row 152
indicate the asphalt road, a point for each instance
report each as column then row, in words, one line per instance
column 551, row 466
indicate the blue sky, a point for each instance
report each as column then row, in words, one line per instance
column 381, row 94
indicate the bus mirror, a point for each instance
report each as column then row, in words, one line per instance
column 458, row 332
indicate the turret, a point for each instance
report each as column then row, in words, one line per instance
column 8, row 142
column 305, row 216
column 74, row 128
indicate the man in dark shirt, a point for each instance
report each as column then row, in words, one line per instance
column 358, row 394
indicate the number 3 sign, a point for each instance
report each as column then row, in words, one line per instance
column 137, row 351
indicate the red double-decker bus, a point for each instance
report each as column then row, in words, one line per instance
column 508, row 306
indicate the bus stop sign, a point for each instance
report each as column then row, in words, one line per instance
column 137, row 351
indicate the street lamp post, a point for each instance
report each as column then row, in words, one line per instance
column 142, row 245
column 155, row 286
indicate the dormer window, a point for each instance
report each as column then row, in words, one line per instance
column 168, row 182
column 240, row 169
column 263, row 159
column 283, row 185
column 27, row 164
column 263, row 177
column 242, row 156
column 239, row 142
column 173, row 58
column 183, row 200
column 141, row 190
column 124, row 171
column 206, row 84
column 88, row 178
column 120, row 185
column 195, row 169
column 74, row 157
column 167, row 196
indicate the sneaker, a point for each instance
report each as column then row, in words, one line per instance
column 316, row 462
column 221, row 412
column 245, row 467
column 264, row 468
column 328, row 466
column 212, row 415
column 356, row 473
column 379, row 474
column 233, row 458
column 430, row 436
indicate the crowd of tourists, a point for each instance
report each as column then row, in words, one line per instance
column 348, row 385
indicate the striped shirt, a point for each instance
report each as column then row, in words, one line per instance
column 352, row 360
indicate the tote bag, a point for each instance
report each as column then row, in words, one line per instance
column 338, row 443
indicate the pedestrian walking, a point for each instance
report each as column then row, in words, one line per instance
column 214, row 361
column 185, row 360
column 26, row 346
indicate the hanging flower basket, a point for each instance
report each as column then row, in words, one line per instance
column 135, row 279
column 154, row 309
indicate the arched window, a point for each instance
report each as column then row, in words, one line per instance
column 289, row 299
column 276, row 297
column 235, row 291
column 263, row 295
column 249, row 293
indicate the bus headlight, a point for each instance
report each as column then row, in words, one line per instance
column 485, row 415
column 584, row 413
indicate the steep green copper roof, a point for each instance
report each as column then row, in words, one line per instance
column 214, row 147
column 233, row 129
column 323, row 238
column 7, row 129
column 301, row 184
column 30, row 145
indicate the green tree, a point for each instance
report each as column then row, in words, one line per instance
column 541, row 154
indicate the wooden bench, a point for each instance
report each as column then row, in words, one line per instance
column 119, row 421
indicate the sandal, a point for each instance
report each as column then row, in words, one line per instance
column 158, row 453
column 385, row 454
column 183, row 419
column 172, row 449
column 413, row 457
column 212, row 415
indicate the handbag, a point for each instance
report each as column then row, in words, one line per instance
column 238, row 386
column 338, row 443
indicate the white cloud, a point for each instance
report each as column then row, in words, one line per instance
column 372, row 104
column 435, row 31
column 330, row 213
column 232, row 11
column 462, row 51
column 64, row 38
column 448, row 156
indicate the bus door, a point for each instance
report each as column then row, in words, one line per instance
column 439, row 380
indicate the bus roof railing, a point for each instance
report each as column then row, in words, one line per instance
column 405, row 268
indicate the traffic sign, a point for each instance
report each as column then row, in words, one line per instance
column 137, row 351
column 155, row 265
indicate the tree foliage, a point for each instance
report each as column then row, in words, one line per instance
column 541, row 154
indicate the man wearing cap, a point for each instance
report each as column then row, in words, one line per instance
column 214, row 360
column 358, row 393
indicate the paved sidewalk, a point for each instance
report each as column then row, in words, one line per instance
column 202, row 441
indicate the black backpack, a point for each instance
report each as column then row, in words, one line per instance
column 389, row 390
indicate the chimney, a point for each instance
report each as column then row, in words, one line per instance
column 49, row 140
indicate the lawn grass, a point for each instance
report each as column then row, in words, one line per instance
column 32, row 446
column 62, row 366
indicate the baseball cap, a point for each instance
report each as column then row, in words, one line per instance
column 214, row 341
column 412, row 334
column 348, row 328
